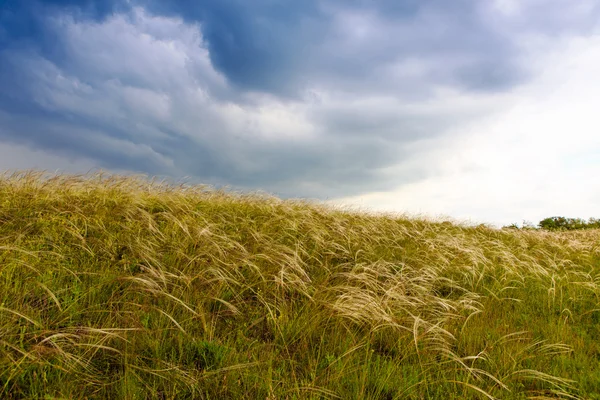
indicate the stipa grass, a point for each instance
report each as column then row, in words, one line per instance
column 114, row 287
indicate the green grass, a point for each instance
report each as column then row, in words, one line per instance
column 114, row 287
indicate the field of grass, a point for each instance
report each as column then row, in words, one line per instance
column 114, row 287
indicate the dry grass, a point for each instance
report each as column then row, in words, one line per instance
column 114, row 287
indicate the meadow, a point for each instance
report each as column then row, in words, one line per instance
column 118, row 287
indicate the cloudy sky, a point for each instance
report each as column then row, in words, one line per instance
column 480, row 110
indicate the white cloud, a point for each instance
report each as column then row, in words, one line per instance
column 540, row 157
column 153, row 51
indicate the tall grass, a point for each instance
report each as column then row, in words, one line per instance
column 115, row 287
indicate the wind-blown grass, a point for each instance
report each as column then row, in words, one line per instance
column 114, row 287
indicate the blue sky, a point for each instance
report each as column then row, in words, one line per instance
column 477, row 110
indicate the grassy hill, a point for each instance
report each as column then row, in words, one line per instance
column 113, row 287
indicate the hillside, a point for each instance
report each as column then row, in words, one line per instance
column 113, row 287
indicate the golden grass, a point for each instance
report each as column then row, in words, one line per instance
column 120, row 287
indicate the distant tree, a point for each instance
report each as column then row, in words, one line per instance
column 568, row 224
column 594, row 223
column 553, row 223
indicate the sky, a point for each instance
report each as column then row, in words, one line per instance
column 483, row 111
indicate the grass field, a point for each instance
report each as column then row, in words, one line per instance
column 116, row 288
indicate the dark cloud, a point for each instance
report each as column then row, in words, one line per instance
column 174, row 126
column 285, row 46
column 258, row 45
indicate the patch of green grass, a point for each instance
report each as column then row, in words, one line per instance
column 114, row 287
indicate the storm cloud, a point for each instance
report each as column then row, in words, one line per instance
column 313, row 99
